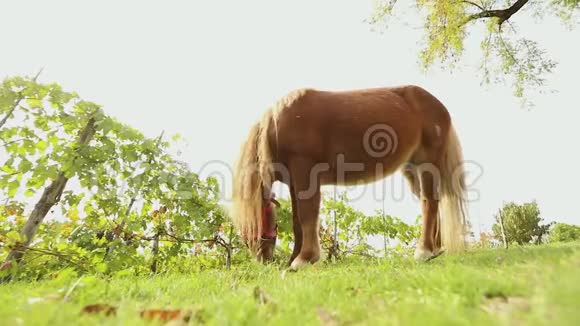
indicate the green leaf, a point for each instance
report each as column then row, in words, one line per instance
column 182, row 194
column 53, row 139
column 52, row 172
column 34, row 103
column 89, row 209
column 101, row 267
column 106, row 125
column 7, row 168
column 41, row 146
column 131, row 156
column 14, row 236
column 24, row 166
column 13, row 188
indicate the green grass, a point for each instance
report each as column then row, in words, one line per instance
column 446, row 291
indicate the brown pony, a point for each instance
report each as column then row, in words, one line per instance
column 312, row 138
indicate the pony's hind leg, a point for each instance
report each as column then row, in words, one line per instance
column 307, row 193
column 431, row 237
column 429, row 243
column 410, row 173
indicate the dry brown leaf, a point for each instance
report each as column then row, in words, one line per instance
column 166, row 315
column 97, row 308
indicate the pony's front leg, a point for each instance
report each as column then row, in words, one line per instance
column 306, row 184
column 297, row 228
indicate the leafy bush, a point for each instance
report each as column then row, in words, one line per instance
column 562, row 232
column 124, row 203
column 521, row 223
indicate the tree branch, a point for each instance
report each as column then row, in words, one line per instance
column 17, row 102
column 9, row 113
column 5, row 144
column 474, row 4
column 502, row 14
column 164, row 236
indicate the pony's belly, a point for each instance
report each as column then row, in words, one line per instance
column 353, row 173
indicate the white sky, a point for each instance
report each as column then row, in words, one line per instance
column 208, row 70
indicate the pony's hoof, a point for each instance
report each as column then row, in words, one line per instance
column 297, row 264
column 423, row 254
column 438, row 253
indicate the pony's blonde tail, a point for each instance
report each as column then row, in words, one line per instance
column 252, row 176
column 452, row 206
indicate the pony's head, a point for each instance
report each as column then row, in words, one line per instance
column 262, row 244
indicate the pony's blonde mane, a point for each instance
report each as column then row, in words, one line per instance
column 253, row 172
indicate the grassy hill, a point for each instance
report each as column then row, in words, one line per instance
column 533, row 285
